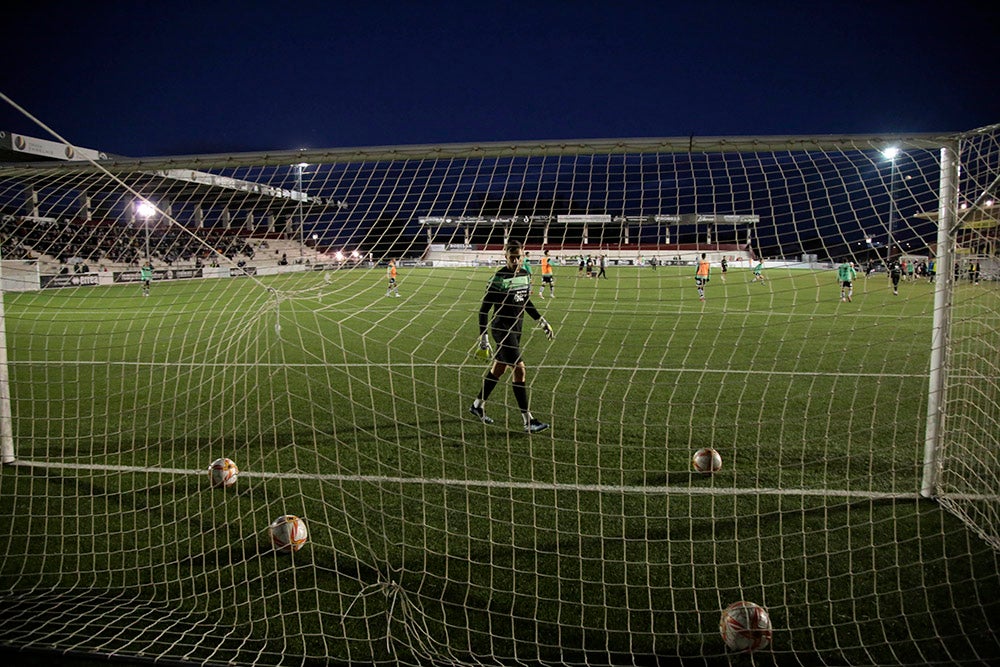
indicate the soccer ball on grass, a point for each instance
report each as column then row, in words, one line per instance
column 706, row 461
column 223, row 472
column 745, row 626
column 288, row 533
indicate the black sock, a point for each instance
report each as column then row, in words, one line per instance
column 521, row 395
column 489, row 384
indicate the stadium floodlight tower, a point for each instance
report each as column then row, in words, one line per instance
column 890, row 154
column 146, row 211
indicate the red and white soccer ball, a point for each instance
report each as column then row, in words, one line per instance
column 288, row 533
column 707, row 461
column 223, row 472
column 745, row 626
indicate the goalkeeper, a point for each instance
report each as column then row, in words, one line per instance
column 508, row 295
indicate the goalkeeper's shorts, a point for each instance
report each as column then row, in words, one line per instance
column 508, row 346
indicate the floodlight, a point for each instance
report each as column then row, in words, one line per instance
column 145, row 210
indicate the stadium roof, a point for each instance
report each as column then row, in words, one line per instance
column 34, row 161
column 970, row 218
column 22, row 148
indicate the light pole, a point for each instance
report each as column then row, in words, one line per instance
column 146, row 211
column 890, row 154
column 302, row 223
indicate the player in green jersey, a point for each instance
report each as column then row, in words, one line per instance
column 508, row 296
column 146, row 276
column 846, row 275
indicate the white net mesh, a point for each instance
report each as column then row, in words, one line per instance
column 271, row 335
column 970, row 478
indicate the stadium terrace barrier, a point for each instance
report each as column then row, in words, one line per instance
column 489, row 255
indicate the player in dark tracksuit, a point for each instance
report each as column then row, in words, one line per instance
column 895, row 273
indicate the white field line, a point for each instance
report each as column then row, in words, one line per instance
column 472, row 364
column 496, row 484
column 663, row 308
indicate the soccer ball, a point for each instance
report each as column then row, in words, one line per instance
column 707, row 461
column 745, row 627
column 288, row 533
column 223, row 472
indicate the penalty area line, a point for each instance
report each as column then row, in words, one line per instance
column 637, row 489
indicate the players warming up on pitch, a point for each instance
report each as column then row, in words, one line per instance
column 701, row 275
column 547, row 277
column 391, row 275
column 846, row 275
column 508, row 295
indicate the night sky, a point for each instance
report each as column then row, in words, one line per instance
column 175, row 78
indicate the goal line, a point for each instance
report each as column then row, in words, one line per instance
column 471, row 364
column 635, row 489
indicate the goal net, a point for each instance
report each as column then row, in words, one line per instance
column 821, row 311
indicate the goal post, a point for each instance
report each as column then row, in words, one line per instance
column 947, row 216
column 242, row 404
column 961, row 466
column 15, row 276
column 6, row 422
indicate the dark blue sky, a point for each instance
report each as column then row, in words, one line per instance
column 168, row 78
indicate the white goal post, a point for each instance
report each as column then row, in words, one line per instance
column 246, row 416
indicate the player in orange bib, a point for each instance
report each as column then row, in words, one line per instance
column 701, row 276
column 547, row 278
column 391, row 274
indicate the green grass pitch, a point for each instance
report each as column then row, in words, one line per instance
column 591, row 542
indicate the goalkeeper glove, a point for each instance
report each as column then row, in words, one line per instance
column 484, row 351
column 547, row 328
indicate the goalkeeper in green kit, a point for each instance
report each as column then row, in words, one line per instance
column 508, row 295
